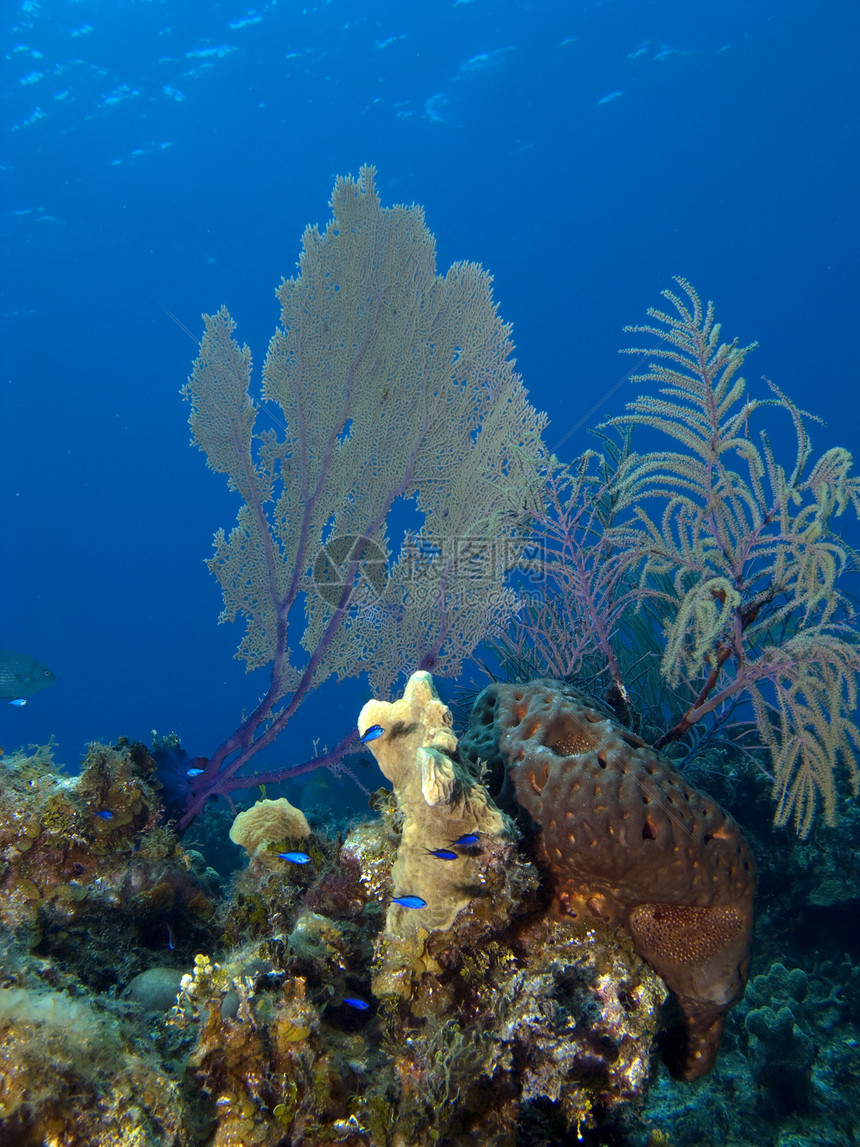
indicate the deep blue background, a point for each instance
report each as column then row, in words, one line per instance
column 172, row 154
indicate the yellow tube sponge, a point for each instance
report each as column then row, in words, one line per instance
column 266, row 821
column 439, row 802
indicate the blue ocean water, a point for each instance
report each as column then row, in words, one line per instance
column 168, row 156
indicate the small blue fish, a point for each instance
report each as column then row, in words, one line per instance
column 442, row 853
column 105, row 814
column 409, row 901
column 19, row 701
column 194, row 772
column 466, row 840
column 371, row 734
column 356, row 1002
column 295, row 857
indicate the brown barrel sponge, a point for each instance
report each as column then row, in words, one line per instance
column 627, row 840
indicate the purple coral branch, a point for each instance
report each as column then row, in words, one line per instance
column 585, row 572
column 331, row 758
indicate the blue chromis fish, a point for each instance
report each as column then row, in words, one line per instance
column 105, row 814
column 194, row 772
column 409, row 901
column 295, row 857
column 371, row 734
column 356, row 1002
column 466, row 840
column 442, row 853
column 21, row 676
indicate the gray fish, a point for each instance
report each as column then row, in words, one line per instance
column 21, row 676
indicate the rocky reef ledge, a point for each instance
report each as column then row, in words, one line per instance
column 421, row 980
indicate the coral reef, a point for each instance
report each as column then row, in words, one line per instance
column 309, row 1013
column 267, row 821
column 88, row 875
column 93, row 890
column 509, row 1022
column 626, row 840
column 74, row 1073
column 401, row 1027
column 788, row 1072
column 315, row 1013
